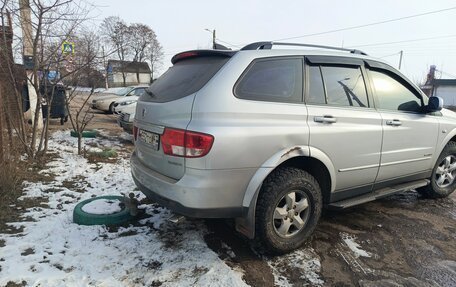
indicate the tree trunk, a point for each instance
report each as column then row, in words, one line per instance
column 1, row 130
column 79, row 143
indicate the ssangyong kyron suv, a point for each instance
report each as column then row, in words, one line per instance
column 271, row 136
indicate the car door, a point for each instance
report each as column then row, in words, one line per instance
column 343, row 124
column 409, row 134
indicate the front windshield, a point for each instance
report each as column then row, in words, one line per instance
column 123, row 91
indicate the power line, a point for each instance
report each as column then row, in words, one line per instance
column 448, row 74
column 397, row 53
column 404, row 41
column 369, row 24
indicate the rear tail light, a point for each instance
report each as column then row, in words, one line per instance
column 186, row 143
column 135, row 133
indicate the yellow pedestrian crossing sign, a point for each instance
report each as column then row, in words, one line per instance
column 67, row 48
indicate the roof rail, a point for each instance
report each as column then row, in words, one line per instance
column 268, row 46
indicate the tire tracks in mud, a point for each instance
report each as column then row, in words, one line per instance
column 402, row 239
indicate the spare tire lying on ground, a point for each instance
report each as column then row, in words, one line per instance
column 107, row 210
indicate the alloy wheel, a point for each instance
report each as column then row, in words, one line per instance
column 291, row 214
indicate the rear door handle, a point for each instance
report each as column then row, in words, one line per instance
column 395, row 123
column 325, row 119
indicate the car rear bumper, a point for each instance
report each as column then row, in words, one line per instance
column 199, row 193
column 127, row 126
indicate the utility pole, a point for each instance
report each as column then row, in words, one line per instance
column 105, row 67
column 29, row 61
column 214, row 45
column 400, row 59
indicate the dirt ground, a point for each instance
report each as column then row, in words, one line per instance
column 412, row 242
column 408, row 241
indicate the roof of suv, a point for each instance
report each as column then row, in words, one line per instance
column 265, row 49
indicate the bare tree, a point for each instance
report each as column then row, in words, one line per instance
column 135, row 42
column 141, row 39
column 155, row 53
column 86, row 64
column 145, row 46
column 49, row 23
column 117, row 33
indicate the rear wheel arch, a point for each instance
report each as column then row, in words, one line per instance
column 313, row 166
column 111, row 107
column 317, row 169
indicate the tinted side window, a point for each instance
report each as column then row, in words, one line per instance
column 316, row 90
column 345, row 86
column 272, row 80
column 392, row 95
column 137, row 92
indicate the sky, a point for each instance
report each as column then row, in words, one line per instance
column 181, row 25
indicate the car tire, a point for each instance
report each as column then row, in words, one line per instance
column 292, row 191
column 83, row 218
column 111, row 108
column 443, row 181
column 85, row 134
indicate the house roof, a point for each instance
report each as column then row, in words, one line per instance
column 445, row 82
column 128, row 67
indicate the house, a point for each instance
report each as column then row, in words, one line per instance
column 444, row 88
column 125, row 73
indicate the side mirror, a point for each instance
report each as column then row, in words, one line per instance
column 435, row 104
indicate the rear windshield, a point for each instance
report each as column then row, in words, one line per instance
column 184, row 78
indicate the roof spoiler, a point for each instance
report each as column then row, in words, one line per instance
column 201, row 53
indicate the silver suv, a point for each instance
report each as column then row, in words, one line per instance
column 271, row 136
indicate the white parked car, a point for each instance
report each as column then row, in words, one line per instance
column 125, row 104
column 105, row 101
column 107, row 91
column 125, row 121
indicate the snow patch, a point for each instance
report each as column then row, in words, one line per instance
column 153, row 252
column 349, row 240
column 302, row 261
column 102, row 206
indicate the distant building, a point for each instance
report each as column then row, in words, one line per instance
column 134, row 72
column 444, row 88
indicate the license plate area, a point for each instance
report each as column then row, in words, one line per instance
column 150, row 138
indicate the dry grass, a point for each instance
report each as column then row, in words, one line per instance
column 107, row 156
column 12, row 175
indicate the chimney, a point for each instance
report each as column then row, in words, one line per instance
column 431, row 75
